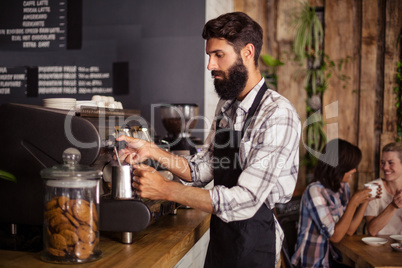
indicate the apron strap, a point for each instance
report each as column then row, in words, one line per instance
column 251, row 110
column 253, row 107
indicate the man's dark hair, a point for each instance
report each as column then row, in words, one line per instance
column 238, row 29
column 337, row 158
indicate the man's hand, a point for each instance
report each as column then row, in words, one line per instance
column 149, row 183
column 136, row 151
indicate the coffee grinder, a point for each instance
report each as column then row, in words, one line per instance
column 179, row 119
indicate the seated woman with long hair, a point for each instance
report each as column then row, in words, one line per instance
column 327, row 212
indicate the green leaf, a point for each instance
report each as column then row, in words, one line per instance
column 271, row 61
column 7, row 176
column 309, row 33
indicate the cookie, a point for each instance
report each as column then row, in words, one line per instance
column 58, row 219
column 52, row 204
column 64, row 226
column 62, row 202
column 70, row 205
column 58, row 241
column 53, row 212
column 82, row 201
column 72, row 219
column 82, row 211
column 86, row 234
column 70, row 236
column 82, row 250
column 56, row 252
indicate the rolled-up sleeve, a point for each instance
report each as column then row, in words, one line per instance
column 320, row 211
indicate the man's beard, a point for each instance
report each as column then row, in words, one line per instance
column 230, row 87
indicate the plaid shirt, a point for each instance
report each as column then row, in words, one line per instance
column 269, row 157
column 320, row 210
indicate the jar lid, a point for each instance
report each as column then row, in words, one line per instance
column 71, row 170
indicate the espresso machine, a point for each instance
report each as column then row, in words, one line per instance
column 179, row 120
column 33, row 138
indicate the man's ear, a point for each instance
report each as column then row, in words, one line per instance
column 247, row 53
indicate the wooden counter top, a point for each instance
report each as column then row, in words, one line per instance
column 162, row 244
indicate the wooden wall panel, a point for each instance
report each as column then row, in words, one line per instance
column 288, row 84
column 270, row 42
column 316, row 3
column 340, row 43
column 393, row 27
column 257, row 10
column 368, row 76
column 285, row 24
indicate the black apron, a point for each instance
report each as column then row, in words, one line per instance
column 246, row 243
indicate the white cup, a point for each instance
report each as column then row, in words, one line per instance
column 373, row 187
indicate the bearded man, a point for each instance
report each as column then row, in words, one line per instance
column 251, row 153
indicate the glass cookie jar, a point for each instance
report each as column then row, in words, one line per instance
column 71, row 212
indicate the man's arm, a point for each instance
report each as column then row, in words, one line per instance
column 150, row 184
column 139, row 150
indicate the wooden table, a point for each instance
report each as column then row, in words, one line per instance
column 162, row 244
column 363, row 255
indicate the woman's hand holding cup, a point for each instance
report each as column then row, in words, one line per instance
column 376, row 189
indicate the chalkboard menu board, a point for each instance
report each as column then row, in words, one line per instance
column 74, row 80
column 64, row 80
column 12, row 79
column 36, row 24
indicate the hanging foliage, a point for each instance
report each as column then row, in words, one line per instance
column 308, row 46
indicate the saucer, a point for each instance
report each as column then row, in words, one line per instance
column 397, row 238
column 374, row 241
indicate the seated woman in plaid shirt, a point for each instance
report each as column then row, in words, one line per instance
column 327, row 212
